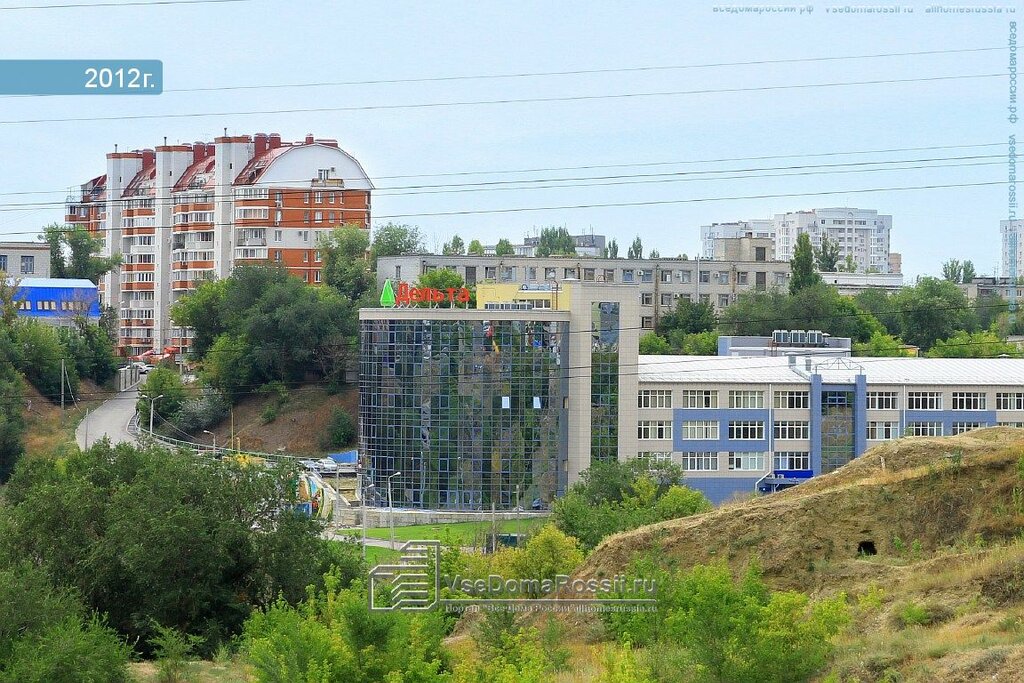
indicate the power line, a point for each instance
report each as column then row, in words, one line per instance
column 662, row 202
column 583, row 181
column 130, row 3
column 525, row 100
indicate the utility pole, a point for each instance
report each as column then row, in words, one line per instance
column 152, row 409
column 62, row 385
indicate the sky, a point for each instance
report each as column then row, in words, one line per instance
column 678, row 137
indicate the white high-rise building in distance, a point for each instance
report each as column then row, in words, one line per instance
column 1010, row 231
column 758, row 227
column 862, row 234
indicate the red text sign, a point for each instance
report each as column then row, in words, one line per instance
column 415, row 295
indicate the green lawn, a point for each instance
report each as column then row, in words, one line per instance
column 460, row 533
column 375, row 555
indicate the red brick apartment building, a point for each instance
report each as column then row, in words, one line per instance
column 182, row 213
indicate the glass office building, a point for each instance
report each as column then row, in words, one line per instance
column 468, row 406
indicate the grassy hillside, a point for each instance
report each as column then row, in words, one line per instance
column 942, row 598
column 47, row 427
column 299, row 426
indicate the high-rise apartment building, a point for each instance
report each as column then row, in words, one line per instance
column 182, row 213
column 1013, row 247
column 862, row 234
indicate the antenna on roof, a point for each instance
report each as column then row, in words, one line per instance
column 225, row 131
column 115, row 148
column 165, row 141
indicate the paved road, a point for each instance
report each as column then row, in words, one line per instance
column 110, row 419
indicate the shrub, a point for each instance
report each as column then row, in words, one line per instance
column 268, row 414
column 69, row 650
column 341, row 430
column 202, row 412
column 173, row 650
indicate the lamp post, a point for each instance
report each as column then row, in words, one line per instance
column 391, row 510
column 152, row 409
column 207, row 431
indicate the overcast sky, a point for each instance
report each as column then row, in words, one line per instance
column 261, row 42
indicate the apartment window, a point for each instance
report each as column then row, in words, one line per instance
column 883, row 400
column 318, row 216
column 792, row 399
column 700, row 430
column 305, row 216
column 609, row 275
column 316, row 276
column 646, row 299
column 569, row 273
column 746, row 399
column 1004, row 401
column 654, row 398
column 490, row 272
column 28, row 265
column 723, row 300
column 1015, row 425
column 654, row 429
column 647, row 322
column 331, row 217
column 788, row 429
column 277, row 255
column 278, row 235
column 705, row 461
column 780, row 278
column 924, row 400
column 305, row 198
column 646, row 275
column 722, row 277
column 655, row 456
column 750, row 462
column 508, row 273
column 924, row 428
column 549, row 273
column 318, row 197
column 883, row 431
column 666, row 276
column 700, row 398
column 961, row 427
column 792, row 460
column 531, row 272
column 969, row 400
column 316, row 256
column 304, row 235
column 305, row 277
column 627, row 275
column 741, row 277
column 746, row 430
column 760, row 254
column 330, row 197
column 589, row 274
column 3, row 262
column 305, row 257
column 685, row 276
column 705, row 299
column 666, row 300
column 705, row 277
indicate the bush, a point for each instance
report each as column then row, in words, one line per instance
column 173, row 651
column 167, row 384
column 341, row 430
column 268, row 414
column 197, row 414
column 68, row 650
column 39, row 358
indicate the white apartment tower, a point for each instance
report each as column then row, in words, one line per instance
column 1013, row 247
column 757, row 227
column 182, row 213
column 862, row 234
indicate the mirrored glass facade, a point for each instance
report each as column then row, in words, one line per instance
column 604, row 381
column 468, row 411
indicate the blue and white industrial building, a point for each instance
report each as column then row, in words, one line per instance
column 740, row 424
column 57, row 301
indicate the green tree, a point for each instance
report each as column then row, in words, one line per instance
column 200, row 310
column 547, row 553
column 636, row 250
column 228, row 366
column 652, row 344
column 848, row 265
column 504, row 248
column 555, row 241
column 695, row 343
column 802, row 265
column 39, row 356
column 165, row 383
column 988, row 309
column 345, row 266
column 613, row 248
column 12, row 424
column 475, row 248
column 880, row 344
column 879, row 303
column 953, row 271
column 827, row 255
column 930, row 310
column 816, row 307
column 169, row 539
column 74, row 253
column 341, row 429
column 688, row 317
column 9, row 300
column 968, row 272
column 392, row 239
column 455, row 247
column 981, row 344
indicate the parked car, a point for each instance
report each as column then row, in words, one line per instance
column 310, row 465
column 328, row 466
column 143, row 367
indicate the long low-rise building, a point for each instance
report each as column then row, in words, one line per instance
column 659, row 282
column 57, row 301
column 737, row 425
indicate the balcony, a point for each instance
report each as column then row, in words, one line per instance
column 253, row 242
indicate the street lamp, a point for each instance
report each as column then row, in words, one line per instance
column 391, row 509
column 206, row 431
column 152, row 408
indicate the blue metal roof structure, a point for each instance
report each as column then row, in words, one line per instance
column 57, row 299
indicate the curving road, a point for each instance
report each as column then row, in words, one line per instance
column 109, row 420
